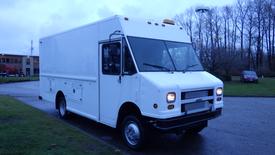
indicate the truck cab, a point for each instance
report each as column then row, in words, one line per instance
column 165, row 84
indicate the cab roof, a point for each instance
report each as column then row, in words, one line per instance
column 152, row 29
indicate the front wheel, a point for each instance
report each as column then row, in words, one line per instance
column 133, row 132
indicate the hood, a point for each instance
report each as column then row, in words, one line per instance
column 187, row 80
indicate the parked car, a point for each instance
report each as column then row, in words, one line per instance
column 21, row 75
column 12, row 75
column 3, row 74
column 249, row 76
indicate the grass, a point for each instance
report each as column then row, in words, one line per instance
column 25, row 130
column 17, row 79
column 265, row 88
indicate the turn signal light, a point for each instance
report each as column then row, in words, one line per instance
column 170, row 107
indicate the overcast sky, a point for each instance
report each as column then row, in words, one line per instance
column 24, row 20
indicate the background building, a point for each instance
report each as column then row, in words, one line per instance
column 22, row 65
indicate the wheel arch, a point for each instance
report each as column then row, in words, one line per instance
column 59, row 95
column 125, row 109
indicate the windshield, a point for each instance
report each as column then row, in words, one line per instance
column 160, row 55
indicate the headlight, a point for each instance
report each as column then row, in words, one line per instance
column 171, row 97
column 219, row 91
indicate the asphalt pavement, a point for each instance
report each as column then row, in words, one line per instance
column 247, row 126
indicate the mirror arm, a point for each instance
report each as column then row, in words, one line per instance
column 116, row 32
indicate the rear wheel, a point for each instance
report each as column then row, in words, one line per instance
column 133, row 132
column 62, row 108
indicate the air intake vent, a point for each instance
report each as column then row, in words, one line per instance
column 196, row 94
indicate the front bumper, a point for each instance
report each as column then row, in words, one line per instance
column 181, row 122
column 250, row 80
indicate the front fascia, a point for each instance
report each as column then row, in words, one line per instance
column 150, row 94
column 155, row 86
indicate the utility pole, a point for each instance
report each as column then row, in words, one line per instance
column 31, row 47
column 29, row 60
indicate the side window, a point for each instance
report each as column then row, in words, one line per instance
column 111, row 59
column 129, row 66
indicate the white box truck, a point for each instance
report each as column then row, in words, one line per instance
column 137, row 76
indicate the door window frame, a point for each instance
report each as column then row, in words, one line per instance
column 102, row 57
column 123, row 42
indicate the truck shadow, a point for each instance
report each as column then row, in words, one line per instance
column 157, row 143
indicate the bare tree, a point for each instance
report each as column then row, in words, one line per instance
column 250, row 31
column 258, row 4
column 242, row 10
column 236, row 37
column 186, row 20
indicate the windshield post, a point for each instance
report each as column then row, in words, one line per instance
column 170, row 56
column 127, row 42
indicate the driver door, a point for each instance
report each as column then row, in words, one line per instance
column 110, row 81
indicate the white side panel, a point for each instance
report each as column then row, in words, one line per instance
column 46, row 92
column 69, row 63
column 72, row 54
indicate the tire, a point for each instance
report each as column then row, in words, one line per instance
column 196, row 129
column 62, row 108
column 133, row 133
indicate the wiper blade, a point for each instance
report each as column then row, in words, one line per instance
column 189, row 66
column 157, row 66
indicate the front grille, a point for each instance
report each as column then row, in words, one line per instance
column 196, row 94
column 198, row 100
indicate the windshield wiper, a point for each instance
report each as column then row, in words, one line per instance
column 189, row 66
column 157, row 66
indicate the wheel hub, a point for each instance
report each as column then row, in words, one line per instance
column 132, row 133
column 62, row 108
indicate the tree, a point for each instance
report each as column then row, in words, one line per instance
column 186, row 20
column 242, row 10
column 233, row 38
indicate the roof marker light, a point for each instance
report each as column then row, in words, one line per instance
column 126, row 18
column 156, row 24
column 163, row 25
column 149, row 22
column 169, row 21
